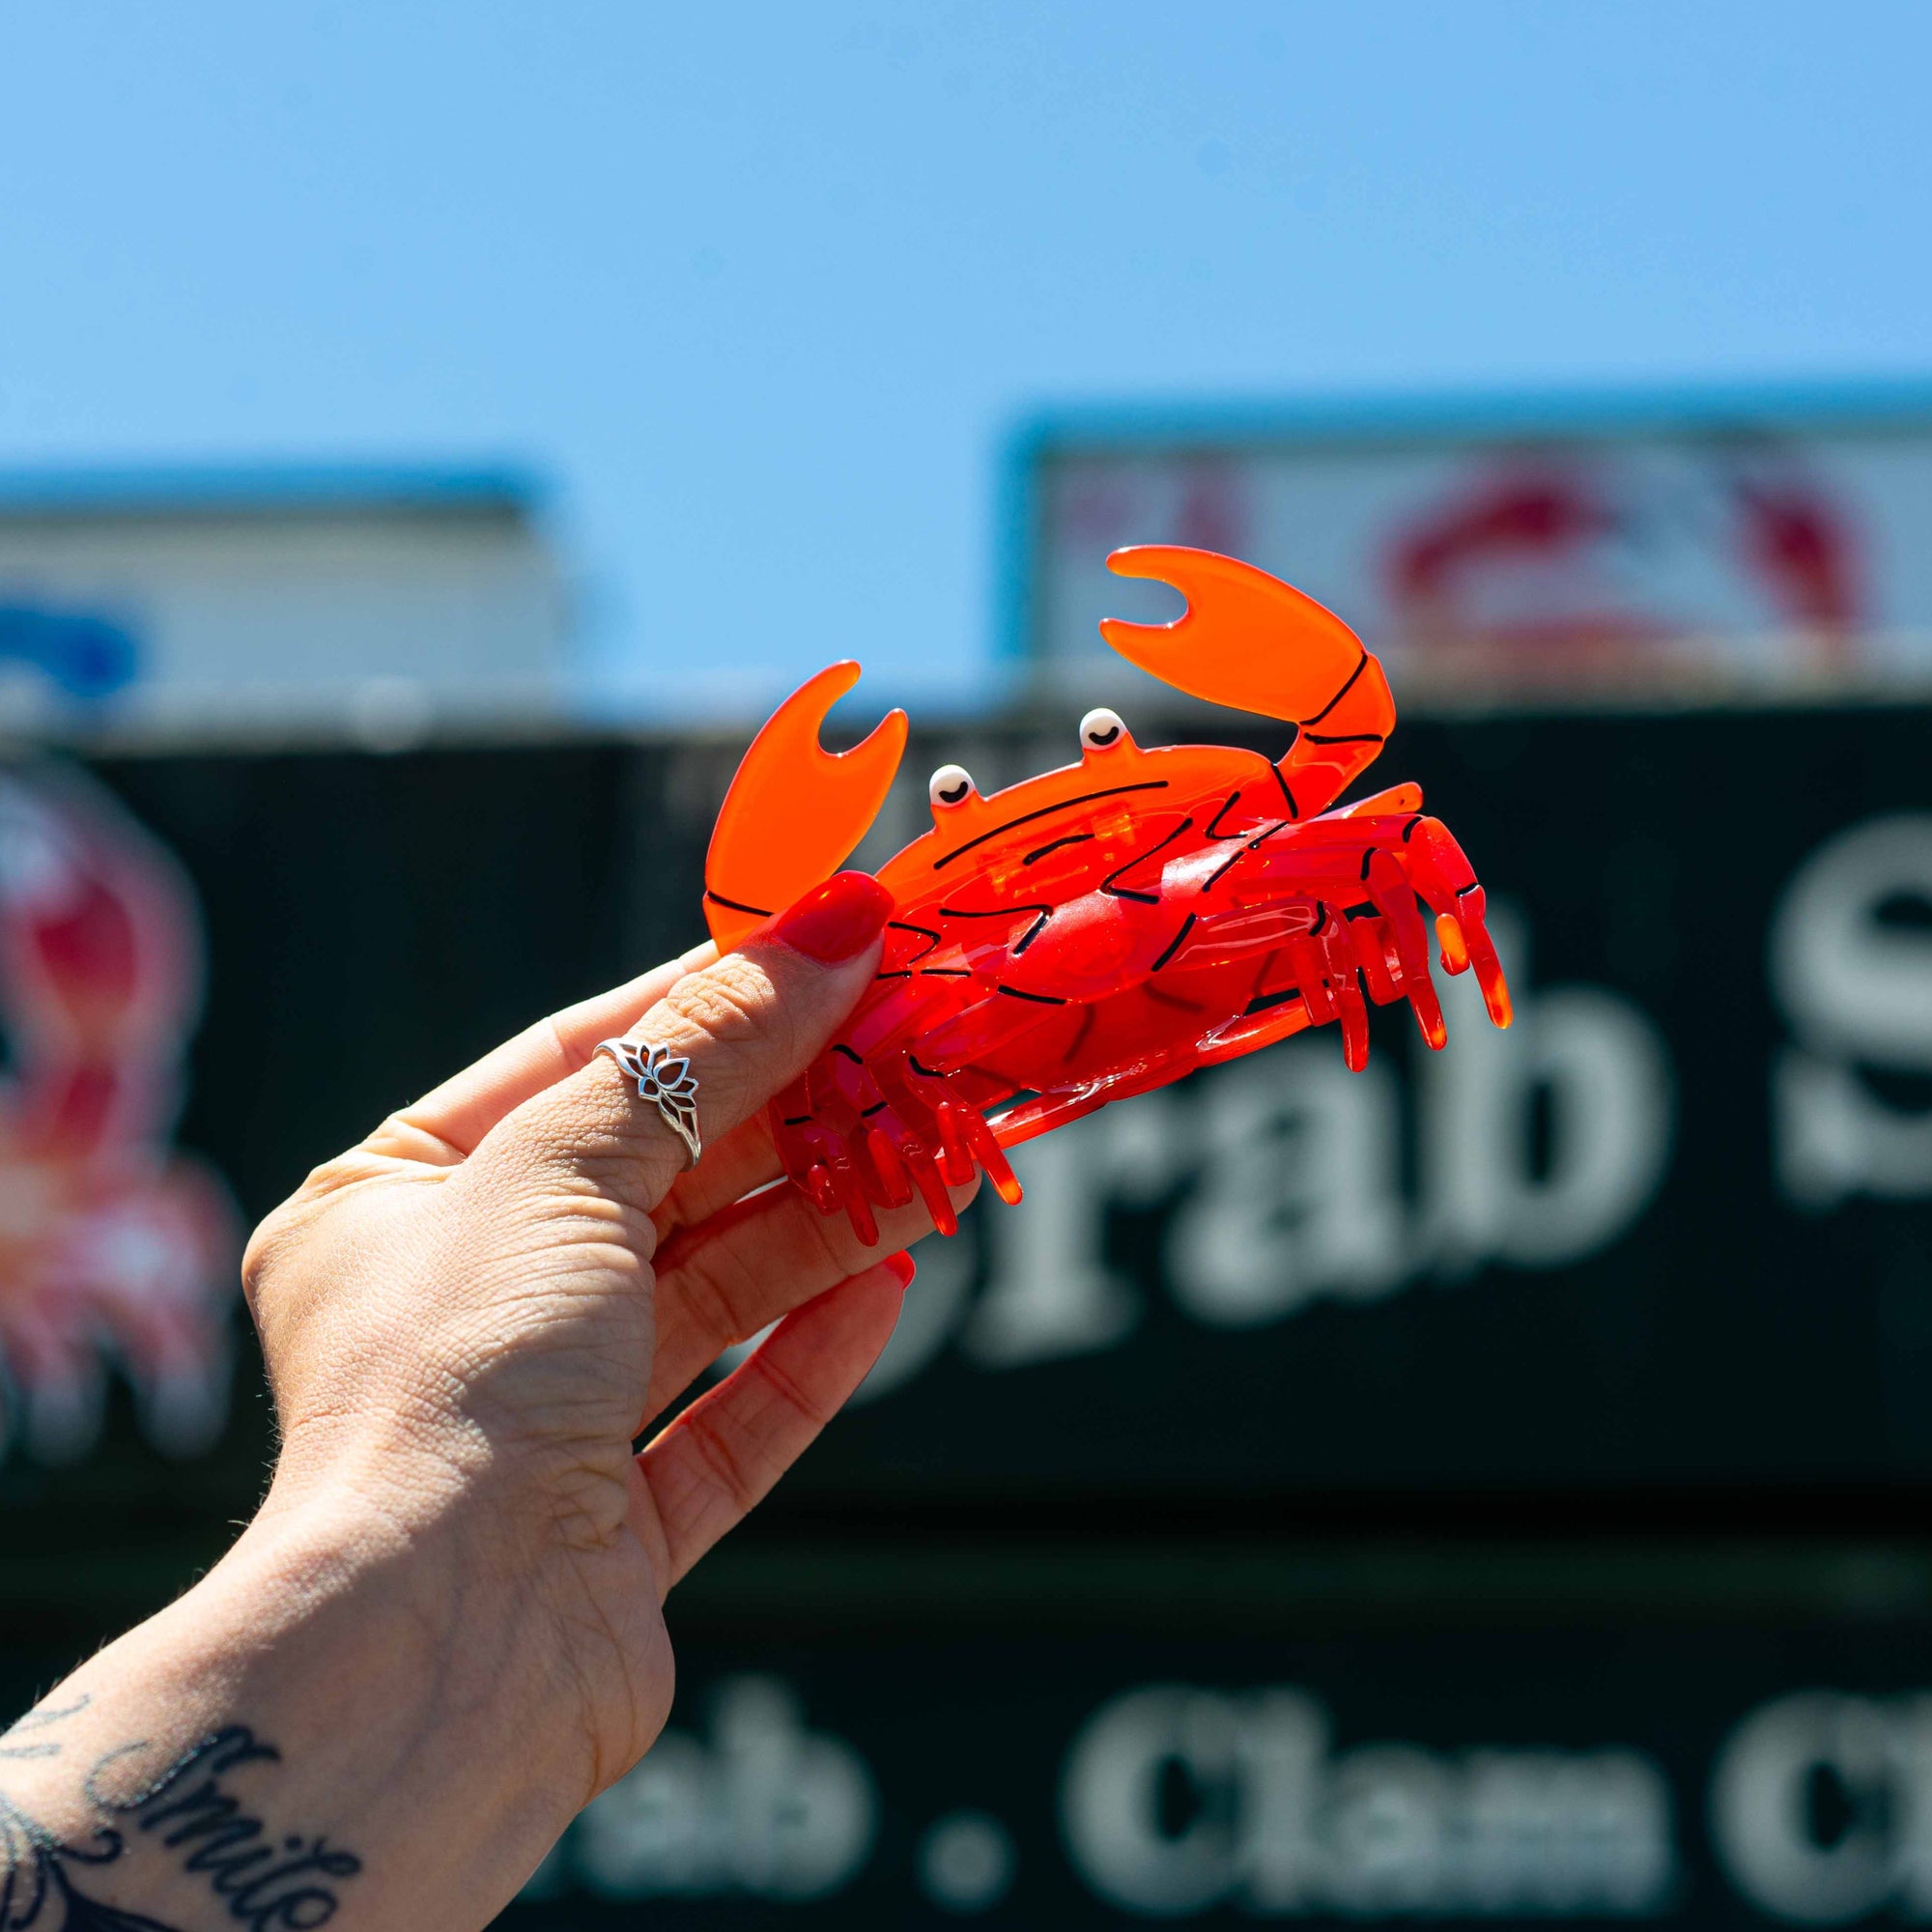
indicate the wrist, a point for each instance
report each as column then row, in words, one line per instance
column 407, row 1585
column 342, row 1690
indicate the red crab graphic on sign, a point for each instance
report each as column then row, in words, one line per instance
column 114, row 1249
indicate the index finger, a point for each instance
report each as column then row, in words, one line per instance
column 451, row 1121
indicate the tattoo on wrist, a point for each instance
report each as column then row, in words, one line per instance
column 263, row 1883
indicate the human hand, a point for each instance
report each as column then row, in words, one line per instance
column 469, row 1317
column 442, row 1632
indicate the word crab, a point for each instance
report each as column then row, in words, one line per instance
column 1103, row 929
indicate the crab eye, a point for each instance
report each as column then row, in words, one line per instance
column 951, row 785
column 1101, row 727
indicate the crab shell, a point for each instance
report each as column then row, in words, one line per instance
column 1070, row 902
column 1102, row 930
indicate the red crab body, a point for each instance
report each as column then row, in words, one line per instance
column 1100, row 930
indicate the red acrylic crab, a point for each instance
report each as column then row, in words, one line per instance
column 1103, row 929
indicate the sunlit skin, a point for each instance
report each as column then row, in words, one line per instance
column 1105, row 928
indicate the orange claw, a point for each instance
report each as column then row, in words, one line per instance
column 795, row 810
column 1246, row 639
column 1250, row 641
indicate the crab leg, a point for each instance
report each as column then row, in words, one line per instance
column 1324, row 963
column 832, row 1172
column 1393, row 897
column 1443, row 876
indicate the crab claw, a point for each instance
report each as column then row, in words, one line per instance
column 1246, row 639
column 795, row 810
column 1250, row 641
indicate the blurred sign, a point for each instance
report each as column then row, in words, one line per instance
column 1670, row 1229
column 368, row 606
column 112, row 1246
column 1702, row 546
column 1690, row 1775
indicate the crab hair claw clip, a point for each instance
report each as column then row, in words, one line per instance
column 1102, row 930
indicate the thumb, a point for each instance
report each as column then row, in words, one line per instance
column 744, row 1028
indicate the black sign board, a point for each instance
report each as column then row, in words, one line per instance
column 1670, row 1237
column 1674, row 1230
column 1669, row 1234
column 1465, row 1762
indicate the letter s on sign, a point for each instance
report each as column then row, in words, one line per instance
column 1856, row 988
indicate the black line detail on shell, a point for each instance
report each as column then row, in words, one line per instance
column 1071, row 839
column 1174, row 945
column 1027, row 938
column 1349, row 738
column 1293, row 810
column 1046, row 810
column 1233, row 799
column 1227, row 865
column 1038, row 999
column 735, row 905
column 1115, row 891
column 839, row 1046
column 1409, row 829
column 926, row 933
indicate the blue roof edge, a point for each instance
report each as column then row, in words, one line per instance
column 1629, row 409
column 136, row 489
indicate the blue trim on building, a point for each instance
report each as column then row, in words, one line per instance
column 1873, row 404
column 243, row 488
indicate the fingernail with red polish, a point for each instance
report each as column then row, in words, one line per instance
column 903, row 1265
column 835, row 920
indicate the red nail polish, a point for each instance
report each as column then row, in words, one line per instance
column 835, row 921
column 903, row 1265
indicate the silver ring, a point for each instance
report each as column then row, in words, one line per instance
column 667, row 1081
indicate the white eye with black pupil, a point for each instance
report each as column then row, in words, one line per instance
column 951, row 785
column 1101, row 727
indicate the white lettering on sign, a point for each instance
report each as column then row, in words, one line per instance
column 1174, row 1799
column 763, row 1806
column 1855, row 980
column 1292, row 1166
column 1821, row 1807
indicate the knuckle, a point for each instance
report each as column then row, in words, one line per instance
column 732, row 1469
column 733, row 1003
column 718, row 1303
column 283, row 1231
column 815, row 1414
column 258, row 1258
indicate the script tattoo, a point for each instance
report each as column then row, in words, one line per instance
column 264, row 1884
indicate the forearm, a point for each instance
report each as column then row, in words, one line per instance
column 316, row 1729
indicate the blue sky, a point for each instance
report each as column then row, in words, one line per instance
column 762, row 288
